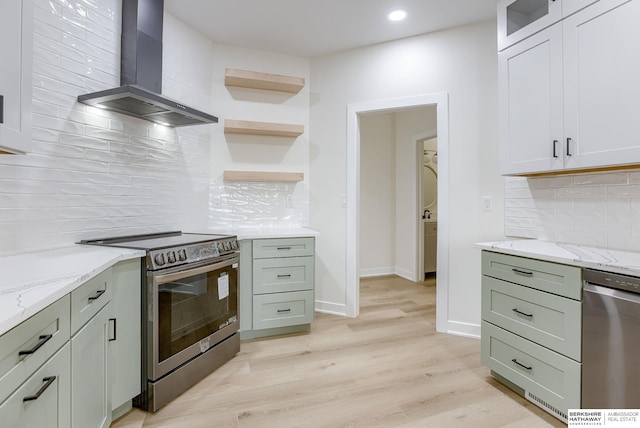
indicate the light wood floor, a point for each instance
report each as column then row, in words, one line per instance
column 386, row 368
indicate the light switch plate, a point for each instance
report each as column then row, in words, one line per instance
column 487, row 203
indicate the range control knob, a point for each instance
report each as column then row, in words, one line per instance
column 220, row 246
column 182, row 255
column 171, row 256
column 159, row 259
column 227, row 245
column 234, row 244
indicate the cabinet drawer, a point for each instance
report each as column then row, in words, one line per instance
column 89, row 298
column 37, row 338
column 283, row 274
column 551, row 377
column 285, row 247
column 549, row 320
column 554, row 278
column 282, row 309
column 52, row 407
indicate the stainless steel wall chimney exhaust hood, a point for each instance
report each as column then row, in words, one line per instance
column 141, row 72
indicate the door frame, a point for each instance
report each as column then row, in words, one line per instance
column 418, row 144
column 441, row 100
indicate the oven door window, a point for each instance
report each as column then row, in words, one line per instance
column 193, row 308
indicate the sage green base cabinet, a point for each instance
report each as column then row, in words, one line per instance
column 532, row 329
column 90, row 371
column 277, row 293
column 70, row 360
column 33, row 355
column 126, row 348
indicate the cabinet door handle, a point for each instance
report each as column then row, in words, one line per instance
column 522, row 365
column 97, row 296
column 48, row 381
column 285, row 276
column 114, row 329
column 283, row 248
column 283, row 310
column 522, row 313
column 522, row 272
column 555, row 153
column 42, row 340
column 1, row 108
column 568, row 146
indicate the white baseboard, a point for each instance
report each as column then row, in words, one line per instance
column 403, row 273
column 331, row 308
column 370, row 272
column 463, row 329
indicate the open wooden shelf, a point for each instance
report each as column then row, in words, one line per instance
column 266, row 81
column 263, row 176
column 262, row 128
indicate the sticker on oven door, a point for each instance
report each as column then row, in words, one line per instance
column 223, row 286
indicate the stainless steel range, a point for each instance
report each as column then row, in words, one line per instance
column 190, row 317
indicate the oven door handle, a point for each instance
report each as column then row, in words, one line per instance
column 195, row 271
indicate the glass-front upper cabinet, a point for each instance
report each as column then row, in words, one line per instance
column 519, row 19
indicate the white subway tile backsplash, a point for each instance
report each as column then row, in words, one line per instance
column 597, row 209
column 578, row 192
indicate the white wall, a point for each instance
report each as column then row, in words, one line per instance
column 409, row 123
column 461, row 62
column 377, row 194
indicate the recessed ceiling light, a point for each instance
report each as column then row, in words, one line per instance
column 397, row 15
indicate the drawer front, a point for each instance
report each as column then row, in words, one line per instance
column 285, row 247
column 554, row 278
column 282, row 309
column 283, row 274
column 27, row 346
column 546, row 374
column 89, row 298
column 549, row 320
column 53, row 405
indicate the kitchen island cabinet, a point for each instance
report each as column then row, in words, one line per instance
column 277, row 286
column 561, row 109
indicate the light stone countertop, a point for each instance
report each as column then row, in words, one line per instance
column 31, row 281
column 268, row 232
column 617, row 261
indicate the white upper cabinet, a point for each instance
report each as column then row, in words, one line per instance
column 530, row 99
column 519, row 19
column 16, row 28
column 602, row 84
column 568, row 92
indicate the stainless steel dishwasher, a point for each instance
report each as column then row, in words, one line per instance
column 610, row 341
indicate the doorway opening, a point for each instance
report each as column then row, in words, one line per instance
column 354, row 112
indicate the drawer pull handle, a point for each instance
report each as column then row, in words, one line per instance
column 42, row 340
column 283, row 248
column 285, row 276
column 283, row 310
column 97, row 296
column 522, row 313
column 49, row 380
column 522, row 272
column 522, row 365
column 115, row 325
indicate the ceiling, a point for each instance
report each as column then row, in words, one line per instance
column 318, row 27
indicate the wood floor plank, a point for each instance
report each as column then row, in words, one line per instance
column 388, row 368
